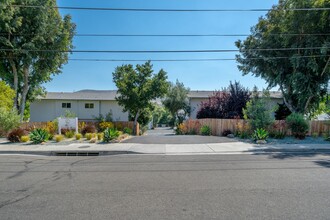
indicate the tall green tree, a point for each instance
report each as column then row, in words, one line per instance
column 301, row 74
column 6, row 96
column 33, row 42
column 177, row 100
column 138, row 86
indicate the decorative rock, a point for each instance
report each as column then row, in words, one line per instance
column 230, row 136
column 261, row 142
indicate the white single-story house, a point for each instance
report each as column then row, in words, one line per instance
column 88, row 104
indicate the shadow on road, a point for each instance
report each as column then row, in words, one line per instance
column 282, row 155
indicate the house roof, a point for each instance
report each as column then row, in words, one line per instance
column 206, row 94
column 110, row 95
column 83, row 95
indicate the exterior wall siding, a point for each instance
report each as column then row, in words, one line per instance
column 195, row 105
column 117, row 110
column 48, row 110
column 43, row 110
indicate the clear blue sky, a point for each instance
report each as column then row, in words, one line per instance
column 79, row 75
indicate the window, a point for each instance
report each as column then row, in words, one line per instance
column 89, row 105
column 66, row 105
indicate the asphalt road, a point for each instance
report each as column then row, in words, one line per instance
column 278, row 186
column 167, row 136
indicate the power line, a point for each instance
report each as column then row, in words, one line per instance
column 165, row 10
column 188, row 60
column 182, row 60
column 170, row 51
column 177, row 35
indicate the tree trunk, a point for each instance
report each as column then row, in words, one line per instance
column 135, row 122
column 286, row 102
column 325, row 67
column 15, row 83
column 307, row 103
column 25, row 91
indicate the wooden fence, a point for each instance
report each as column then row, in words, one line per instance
column 117, row 124
column 218, row 126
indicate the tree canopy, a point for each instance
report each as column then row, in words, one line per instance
column 228, row 103
column 33, row 42
column 176, row 100
column 138, row 86
column 301, row 71
column 6, row 96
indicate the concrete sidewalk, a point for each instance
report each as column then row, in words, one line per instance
column 164, row 149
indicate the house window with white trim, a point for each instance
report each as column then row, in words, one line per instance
column 89, row 105
column 66, row 105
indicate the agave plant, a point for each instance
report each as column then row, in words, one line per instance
column 39, row 135
column 110, row 134
column 260, row 134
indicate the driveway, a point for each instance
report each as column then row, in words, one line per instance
column 167, row 136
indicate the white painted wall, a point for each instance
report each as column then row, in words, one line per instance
column 195, row 104
column 88, row 113
column 42, row 110
column 117, row 110
column 48, row 110
column 61, row 111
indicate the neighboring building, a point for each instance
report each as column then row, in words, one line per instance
column 197, row 97
column 86, row 104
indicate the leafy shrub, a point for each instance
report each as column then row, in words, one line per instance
column 8, row 120
column 315, row 135
column 81, row 125
column 260, row 134
column 298, row 125
column 110, row 134
column 89, row 136
column 104, row 125
column 205, row 130
column 243, row 130
column 127, row 130
column 225, row 133
column 100, row 136
column 39, row 135
column 88, row 129
column 25, row 138
column 106, row 118
column 326, row 135
column 78, row 136
column 51, row 127
column 69, row 134
column 190, row 127
column 257, row 112
column 225, row 104
column 50, row 137
column 180, row 129
column 59, row 138
column 16, row 134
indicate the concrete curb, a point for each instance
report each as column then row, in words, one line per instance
column 109, row 153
